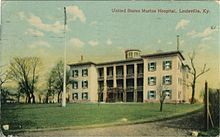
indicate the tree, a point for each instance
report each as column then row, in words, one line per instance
column 3, row 79
column 23, row 70
column 162, row 95
column 55, row 80
column 195, row 74
column 50, row 90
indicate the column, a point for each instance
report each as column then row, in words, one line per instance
column 114, row 83
column 105, row 85
column 135, row 82
column 124, row 82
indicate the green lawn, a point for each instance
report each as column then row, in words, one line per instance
column 33, row 116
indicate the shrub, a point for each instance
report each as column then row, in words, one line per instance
column 214, row 105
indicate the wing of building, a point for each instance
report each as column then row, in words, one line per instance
column 137, row 78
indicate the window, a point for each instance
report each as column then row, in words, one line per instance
column 152, row 66
column 85, row 96
column 179, row 94
column 75, row 85
column 167, row 65
column 151, row 81
column 85, row 72
column 167, row 80
column 75, row 73
column 180, row 81
column 168, row 94
column 152, row 94
column 85, row 84
column 75, row 96
column 136, row 54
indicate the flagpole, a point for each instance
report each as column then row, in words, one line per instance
column 64, row 71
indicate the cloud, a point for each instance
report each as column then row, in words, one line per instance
column 93, row 23
column 207, row 38
column 93, row 43
column 74, row 12
column 21, row 15
column 182, row 24
column 182, row 42
column 205, row 33
column 169, row 43
column 35, row 33
column 36, row 21
column 158, row 41
column 109, row 42
column 40, row 44
column 203, row 48
column 76, row 42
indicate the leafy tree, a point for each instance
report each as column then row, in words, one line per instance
column 55, row 80
column 195, row 74
column 23, row 70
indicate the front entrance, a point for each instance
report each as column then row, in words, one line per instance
column 130, row 97
column 140, row 96
column 100, row 97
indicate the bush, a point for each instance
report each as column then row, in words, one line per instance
column 214, row 105
column 194, row 101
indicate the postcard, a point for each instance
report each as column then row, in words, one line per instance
column 109, row 68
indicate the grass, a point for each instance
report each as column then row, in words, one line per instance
column 38, row 116
column 210, row 133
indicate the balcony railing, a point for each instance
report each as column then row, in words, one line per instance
column 139, row 88
column 130, row 88
column 101, row 78
column 109, row 77
column 110, row 89
column 119, row 76
column 140, row 75
column 131, row 75
column 120, row 88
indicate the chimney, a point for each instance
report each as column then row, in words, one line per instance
column 178, row 42
column 81, row 58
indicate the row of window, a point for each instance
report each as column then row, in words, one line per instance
column 84, row 84
column 84, row 96
column 152, row 94
column 75, row 73
column 167, row 65
column 167, row 80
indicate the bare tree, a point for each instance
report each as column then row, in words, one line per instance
column 162, row 94
column 23, row 70
column 3, row 79
column 195, row 74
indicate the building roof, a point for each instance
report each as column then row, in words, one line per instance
column 82, row 63
column 119, row 61
column 164, row 54
column 132, row 50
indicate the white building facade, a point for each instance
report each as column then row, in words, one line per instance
column 138, row 78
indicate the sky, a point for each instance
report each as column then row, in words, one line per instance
column 36, row 28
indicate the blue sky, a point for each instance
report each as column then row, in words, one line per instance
column 33, row 28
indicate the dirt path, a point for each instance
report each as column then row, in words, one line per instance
column 175, row 127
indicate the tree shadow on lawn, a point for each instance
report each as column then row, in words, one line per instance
column 189, row 122
column 28, row 106
column 11, row 118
